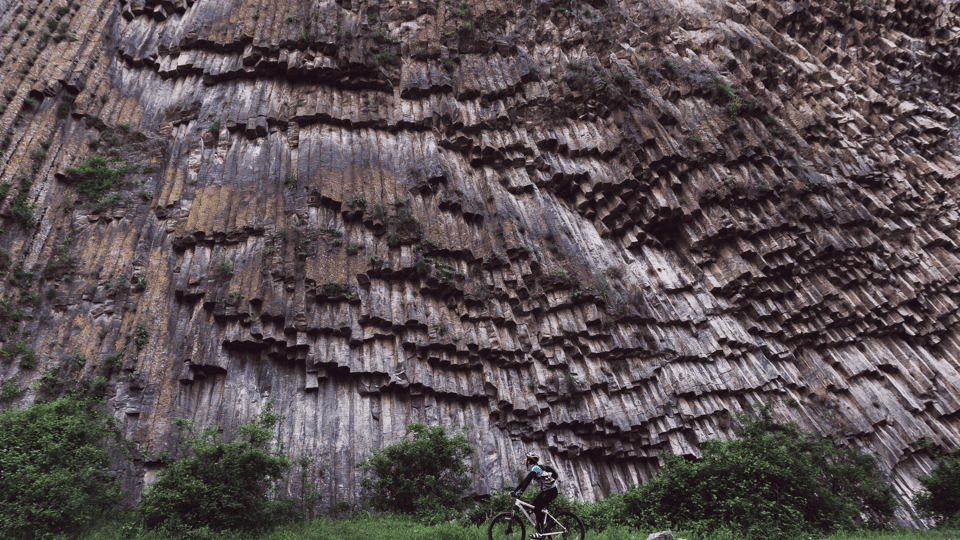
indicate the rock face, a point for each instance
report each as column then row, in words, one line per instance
column 588, row 229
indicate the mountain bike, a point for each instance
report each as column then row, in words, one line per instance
column 508, row 525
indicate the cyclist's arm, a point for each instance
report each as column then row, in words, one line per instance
column 526, row 482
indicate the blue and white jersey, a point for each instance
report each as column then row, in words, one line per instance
column 546, row 478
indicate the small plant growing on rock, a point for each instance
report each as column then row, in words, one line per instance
column 385, row 58
column 615, row 271
column 29, row 359
column 141, row 335
column 225, row 266
column 10, row 390
column 291, row 181
column 358, row 202
column 21, row 207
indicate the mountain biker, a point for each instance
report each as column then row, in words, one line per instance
column 548, row 488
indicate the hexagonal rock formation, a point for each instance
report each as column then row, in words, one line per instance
column 592, row 229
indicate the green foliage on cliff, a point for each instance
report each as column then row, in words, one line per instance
column 21, row 207
column 940, row 498
column 217, row 484
column 774, row 482
column 55, row 468
column 424, row 476
column 96, row 177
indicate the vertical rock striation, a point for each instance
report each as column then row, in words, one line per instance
column 593, row 229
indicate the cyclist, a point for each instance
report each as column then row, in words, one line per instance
column 548, row 488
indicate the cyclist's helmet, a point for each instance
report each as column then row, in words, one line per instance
column 533, row 457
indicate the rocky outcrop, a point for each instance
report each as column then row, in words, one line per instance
column 592, row 229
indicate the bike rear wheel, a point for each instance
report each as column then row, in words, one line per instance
column 573, row 525
column 507, row 526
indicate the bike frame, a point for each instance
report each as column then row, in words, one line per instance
column 520, row 504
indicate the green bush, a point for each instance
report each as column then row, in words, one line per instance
column 940, row 498
column 605, row 513
column 423, row 476
column 221, row 485
column 54, row 468
column 96, row 177
column 775, row 482
column 21, row 207
column 10, row 390
column 499, row 501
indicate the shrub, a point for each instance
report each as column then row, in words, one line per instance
column 615, row 272
column 385, row 58
column 775, row 482
column 96, row 177
column 940, row 498
column 56, row 470
column 21, row 207
column 358, row 202
column 424, row 476
column 223, row 485
column 30, row 103
column 291, row 180
column 10, row 390
column 605, row 513
column 141, row 335
column 29, row 359
column 225, row 267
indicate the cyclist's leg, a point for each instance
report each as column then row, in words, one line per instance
column 541, row 501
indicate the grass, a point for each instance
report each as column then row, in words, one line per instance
column 367, row 526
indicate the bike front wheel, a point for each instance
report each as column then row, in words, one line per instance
column 574, row 529
column 506, row 526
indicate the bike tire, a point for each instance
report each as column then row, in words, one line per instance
column 573, row 524
column 506, row 526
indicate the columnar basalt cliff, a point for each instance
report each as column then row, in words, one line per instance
column 593, row 229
